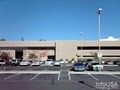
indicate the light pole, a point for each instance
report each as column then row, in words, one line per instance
column 99, row 56
column 81, row 34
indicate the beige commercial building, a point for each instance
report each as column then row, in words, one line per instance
column 74, row 49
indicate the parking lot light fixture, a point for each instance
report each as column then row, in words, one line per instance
column 99, row 12
column 81, row 34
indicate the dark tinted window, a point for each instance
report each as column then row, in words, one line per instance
column 95, row 63
column 78, row 64
column 1, row 60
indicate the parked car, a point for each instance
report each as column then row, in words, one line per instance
column 14, row 62
column 57, row 63
column 116, row 62
column 49, row 62
column 62, row 61
column 94, row 66
column 36, row 63
column 7, row 62
column 78, row 67
column 2, row 62
column 41, row 62
column 25, row 63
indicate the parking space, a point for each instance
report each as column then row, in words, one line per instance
column 3, row 76
column 8, row 68
column 117, row 75
column 64, row 73
column 111, row 68
column 76, row 77
column 46, row 77
column 107, row 78
column 58, row 75
column 22, row 77
column 54, row 68
column 38, row 68
column 87, row 81
column 83, row 78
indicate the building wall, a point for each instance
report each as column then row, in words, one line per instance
column 62, row 49
column 41, row 54
column 66, row 50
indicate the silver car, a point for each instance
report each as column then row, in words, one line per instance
column 78, row 67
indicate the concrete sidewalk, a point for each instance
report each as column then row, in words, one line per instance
column 95, row 72
column 57, row 72
column 29, row 72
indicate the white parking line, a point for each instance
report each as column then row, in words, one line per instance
column 92, row 77
column 69, row 75
column 59, row 74
column 45, row 69
column 114, row 76
column 35, row 76
column 11, row 76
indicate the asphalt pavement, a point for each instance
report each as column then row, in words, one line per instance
column 58, row 77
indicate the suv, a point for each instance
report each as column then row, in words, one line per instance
column 49, row 62
column 14, row 62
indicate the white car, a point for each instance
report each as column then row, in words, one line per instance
column 36, row 63
column 2, row 62
column 57, row 63
column 96, row 66
column 62, row 61
column 25, row 63
column 49, row 62
column 14, row 62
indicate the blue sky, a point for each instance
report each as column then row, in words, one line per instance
column 58, row 19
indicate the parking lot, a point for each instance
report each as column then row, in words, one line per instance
column 58, row 77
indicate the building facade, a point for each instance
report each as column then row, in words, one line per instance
column 69, row 50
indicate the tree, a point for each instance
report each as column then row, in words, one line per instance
column 32, row 56
column 5, row 56
column 40, row 40
column 2, row 39
column 95, row 56
column 72, row 59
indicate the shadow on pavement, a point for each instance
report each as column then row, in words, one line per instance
column 82, row 82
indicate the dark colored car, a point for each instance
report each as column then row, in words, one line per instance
column 116, row 62
column 78, row 67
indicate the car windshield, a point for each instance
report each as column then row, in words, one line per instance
column 35, row 61
column 78, row 64
column 1, row 60
column 48, row 60
column 95, row 63
column 13, row 60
